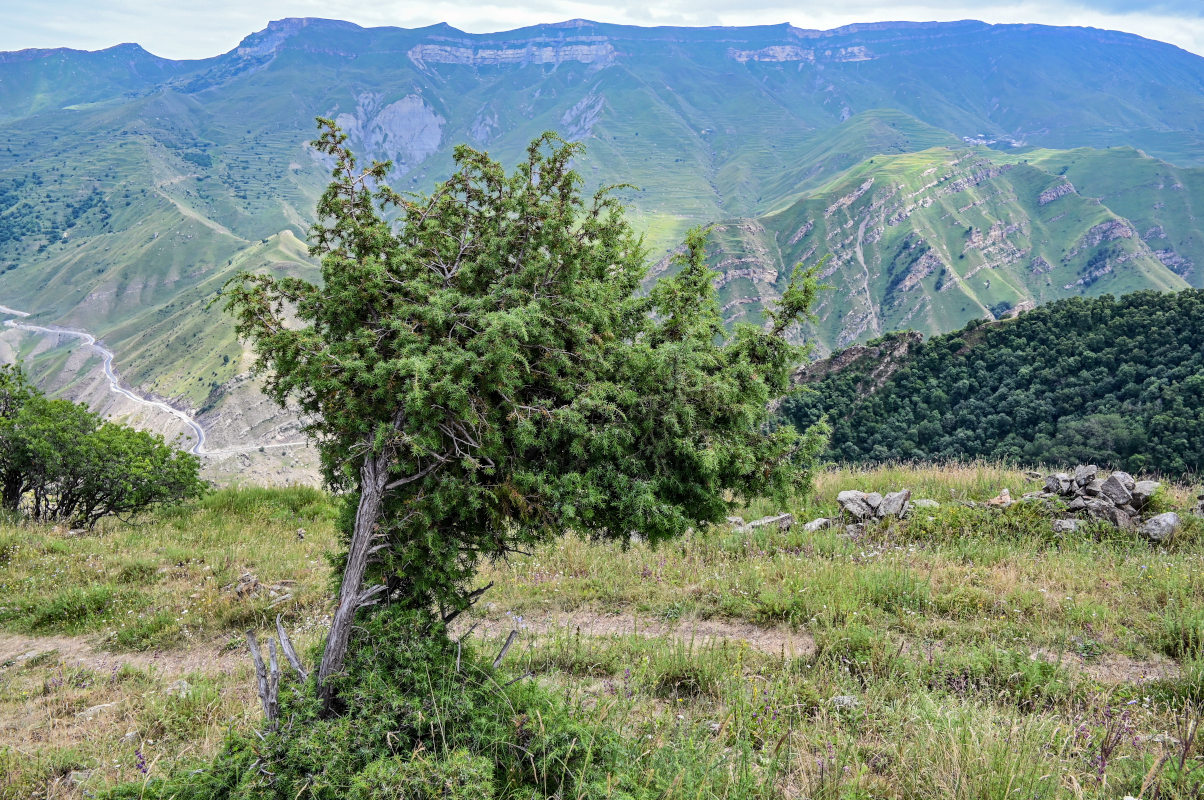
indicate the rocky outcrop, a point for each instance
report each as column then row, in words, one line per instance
column 588, row 52
column 406, row 131
column 880, row 361
column 578, row 122
column 1054, row 192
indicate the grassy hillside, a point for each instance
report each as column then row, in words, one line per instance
column 983, row 653
column 132, row 187
column 931, row 240
column 1115, row 381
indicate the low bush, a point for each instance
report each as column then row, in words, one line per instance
column 420, row 729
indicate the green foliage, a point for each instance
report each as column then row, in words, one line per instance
column 60, row 461
column 487, row 366
column 423, row 729
column 1109, row 381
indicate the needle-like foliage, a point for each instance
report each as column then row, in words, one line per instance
column 480, row 369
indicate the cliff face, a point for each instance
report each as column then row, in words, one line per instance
column 932, row 240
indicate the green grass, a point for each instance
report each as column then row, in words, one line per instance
column 988, row 658
column 173, row 577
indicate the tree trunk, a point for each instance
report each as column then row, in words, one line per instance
column 373, row 477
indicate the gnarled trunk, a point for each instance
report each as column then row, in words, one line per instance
column 373, row 478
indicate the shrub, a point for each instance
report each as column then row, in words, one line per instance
column 61, row 462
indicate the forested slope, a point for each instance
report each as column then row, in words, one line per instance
column 1106, row 380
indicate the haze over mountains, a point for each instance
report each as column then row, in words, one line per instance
column 950, row 171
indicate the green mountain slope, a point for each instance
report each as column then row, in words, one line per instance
column 931, row 240
column 1104, row 380
column 132, row 187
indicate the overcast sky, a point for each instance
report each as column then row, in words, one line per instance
column 198, row 29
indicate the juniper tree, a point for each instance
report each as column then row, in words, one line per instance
column 480, row 369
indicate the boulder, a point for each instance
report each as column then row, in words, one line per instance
column 1093, row 488
column 1115, row 491
column 1063, row 526
column 1077, row 504
column 89, row 713
column 1143, row 491
column 894, row 504
column 853, row 503
column 1100, row 508
column 873, row 500
column 1161, row 528
column 1085, row 474
column 817, row 524
column 1059, row 483
column 780, row 521
column 1126, row 480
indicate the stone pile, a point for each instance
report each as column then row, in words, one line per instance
column 1118, row 499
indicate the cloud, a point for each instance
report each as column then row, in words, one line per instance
column 196, row 30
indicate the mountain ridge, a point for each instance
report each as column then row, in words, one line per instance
column 131, row 187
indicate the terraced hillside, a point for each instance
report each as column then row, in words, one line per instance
column 931, row 240
column 132, row 187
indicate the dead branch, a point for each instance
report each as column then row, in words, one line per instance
column 286, row 645
column 505, row 648
column 267, row 684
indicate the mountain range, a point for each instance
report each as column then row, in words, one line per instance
column 948, row 171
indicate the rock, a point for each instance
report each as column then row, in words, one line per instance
column 1063, row 526
column 924, row 502
column 1085, row 474
column 88, row 713
column 1033, row 476
column 894, row 504
column 180, row 689
column 1126, row 480
column 1093, row 488
column 1003, row 500
column 854, row 504
column 1077, row 504
column 873, row 500
column 782, row 522
column 1161, row 528
column 1115, row 491
column 1053, row 484
column 1143, row 491
column 845, row 701
column 855, row 531
column 130, row 736
column 1100, row 508
column 736, row 521
column 817, row 524
column 79, row 777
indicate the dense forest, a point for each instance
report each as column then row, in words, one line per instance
column 1118, row 382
